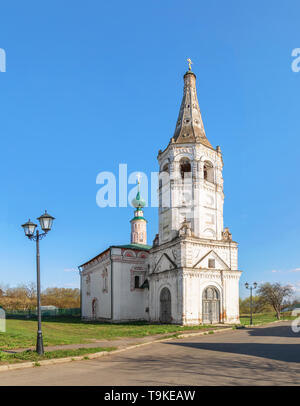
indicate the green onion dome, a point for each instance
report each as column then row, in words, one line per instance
column 138, row 202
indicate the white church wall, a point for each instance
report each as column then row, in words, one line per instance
column 95, row 290
column 129, row 302
column 231, row 288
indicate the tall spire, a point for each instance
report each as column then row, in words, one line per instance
column 189, row 126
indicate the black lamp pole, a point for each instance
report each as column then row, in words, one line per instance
column 251, row 287
column 29, row 228
column 39, row 341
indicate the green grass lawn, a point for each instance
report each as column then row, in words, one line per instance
column 22, row 333
column 6, row 358
column 263, row 318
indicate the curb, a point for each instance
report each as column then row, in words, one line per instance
column 204, row 332
column 54, row 361
column 264, row 324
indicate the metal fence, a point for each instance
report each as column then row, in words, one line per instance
column 32, row 313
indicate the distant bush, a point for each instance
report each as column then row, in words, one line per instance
column 23, row 297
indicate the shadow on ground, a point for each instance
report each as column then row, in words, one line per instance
column 274, row 331
column 278, row 352
column 274, row 351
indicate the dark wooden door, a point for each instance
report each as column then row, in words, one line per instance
column 165, row 306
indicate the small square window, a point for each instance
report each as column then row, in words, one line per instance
column 136, row 282
column 211, row 263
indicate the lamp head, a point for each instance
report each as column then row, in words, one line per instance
column 29, row 228
column 46, row 221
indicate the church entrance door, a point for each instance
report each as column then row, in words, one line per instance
column 211, row 306
column 165, row 306
column 95, row 308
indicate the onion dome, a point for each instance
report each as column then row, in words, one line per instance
column 138, row 202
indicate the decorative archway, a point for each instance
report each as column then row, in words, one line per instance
column 211, row 305
column 165, row 306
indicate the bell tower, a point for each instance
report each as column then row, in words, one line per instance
column 191, row 182
column 138, row 223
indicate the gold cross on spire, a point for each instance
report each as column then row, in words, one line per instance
column 190, row 63
column 138, row 176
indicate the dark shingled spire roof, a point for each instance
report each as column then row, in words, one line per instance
column 189, row 126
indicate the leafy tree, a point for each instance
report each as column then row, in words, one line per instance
column 274, row 294
column 258, row 305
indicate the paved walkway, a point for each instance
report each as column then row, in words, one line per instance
column 254, row 356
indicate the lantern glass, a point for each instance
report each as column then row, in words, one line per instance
column 29, row 228
column 247, row 285
column 255, row 285
column 46, row 221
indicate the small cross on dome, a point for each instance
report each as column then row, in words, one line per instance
column 139, row 176
column 190, row 63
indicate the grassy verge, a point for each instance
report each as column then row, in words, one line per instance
column 9, row 358
column 22, row 333
column 263, row 318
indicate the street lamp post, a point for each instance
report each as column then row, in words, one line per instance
column 30, row 231
column 251, row 287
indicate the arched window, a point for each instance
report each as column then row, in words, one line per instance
column 164, row 175
column 185, row 167
column 166, row 168
column 208, row 171
column 211, row 294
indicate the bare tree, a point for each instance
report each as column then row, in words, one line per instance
column 274, row 294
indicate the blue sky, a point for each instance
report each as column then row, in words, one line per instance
column 93, row 84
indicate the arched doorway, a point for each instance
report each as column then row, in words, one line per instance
column 211, row 306
column 95, row 308
column 165, row 306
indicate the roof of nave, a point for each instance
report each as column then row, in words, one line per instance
column 138, row 247
column 135, row 246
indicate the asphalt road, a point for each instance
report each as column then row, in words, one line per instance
column 257, row 356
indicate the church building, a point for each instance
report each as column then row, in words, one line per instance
column 189, row 275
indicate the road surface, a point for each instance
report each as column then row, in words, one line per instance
column 267, row 355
